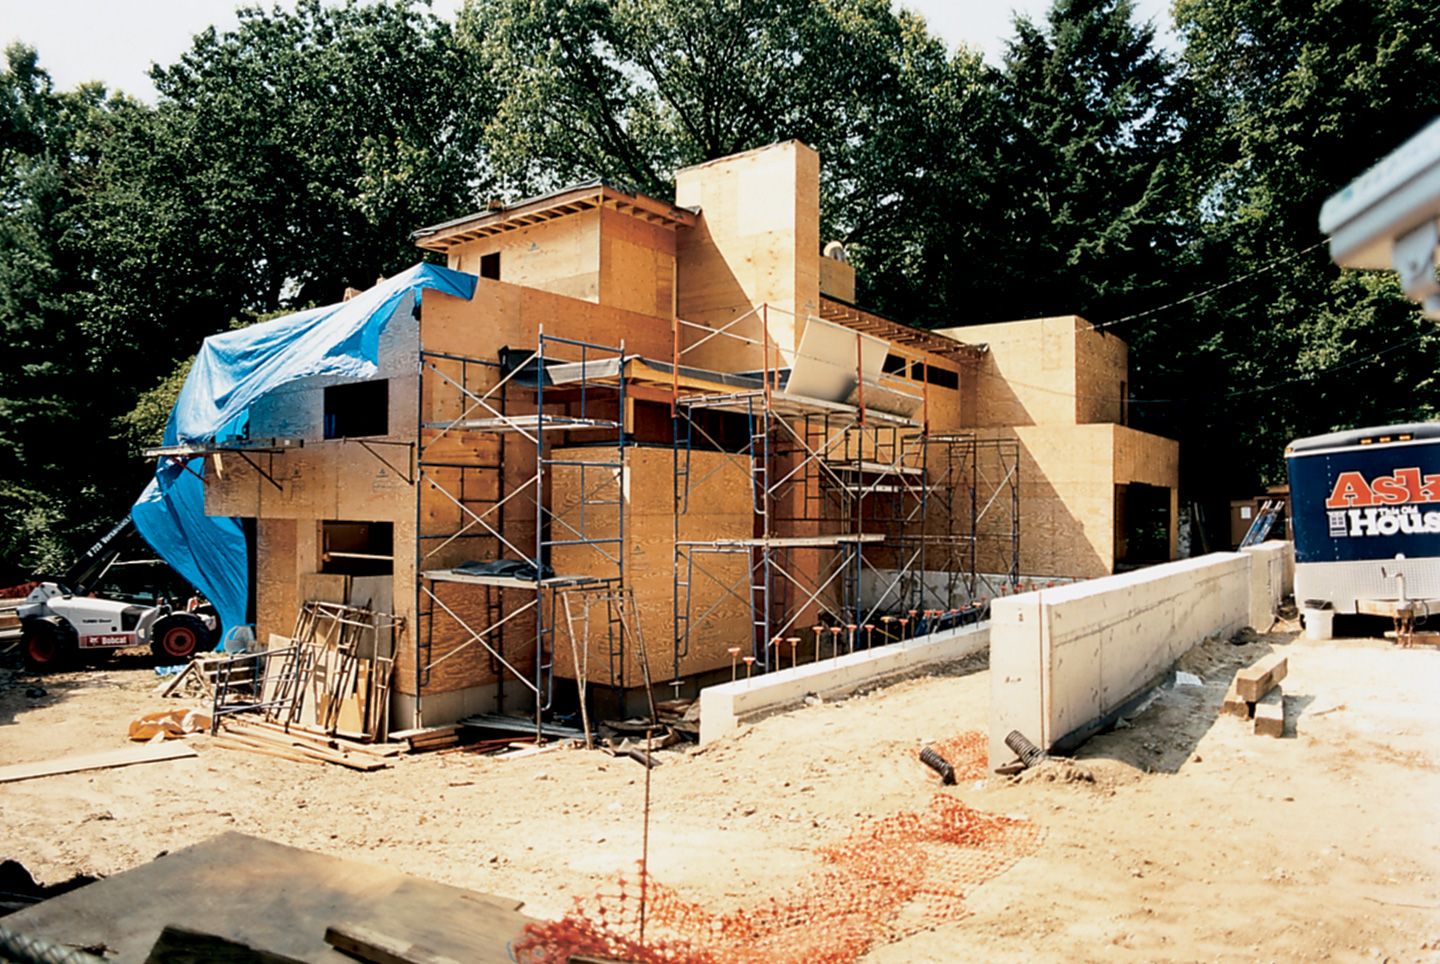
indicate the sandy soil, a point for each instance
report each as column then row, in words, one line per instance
column 1196, row 839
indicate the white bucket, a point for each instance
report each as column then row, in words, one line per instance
column 1319, row 623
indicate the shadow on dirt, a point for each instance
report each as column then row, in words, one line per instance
column 22, row 691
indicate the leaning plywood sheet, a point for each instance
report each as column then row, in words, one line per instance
column 274, row 898
column 829, row 358
column 95, row 761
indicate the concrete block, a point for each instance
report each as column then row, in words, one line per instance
column 725, row 707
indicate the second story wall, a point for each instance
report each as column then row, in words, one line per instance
column 1048, row 371
column 562, row 255
column 755, row 244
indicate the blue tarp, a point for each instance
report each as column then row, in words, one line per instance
column 232, row 372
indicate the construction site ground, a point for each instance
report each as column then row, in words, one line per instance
column 1192, row 839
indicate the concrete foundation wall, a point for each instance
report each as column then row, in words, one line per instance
column 1064, row 661
column 1272, row 578
column 725, row 707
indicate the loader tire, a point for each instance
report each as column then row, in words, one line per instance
column 47, row 647
column 178, row 637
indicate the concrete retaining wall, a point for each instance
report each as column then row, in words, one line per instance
column 1065, row 662
column 725, row 707
column 1272, row 578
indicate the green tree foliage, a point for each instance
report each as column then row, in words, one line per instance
column 631, row 89
column 1089, row 104
column 1287, row 102
column 1174, row 200
column 284, row 161
column 45, row 418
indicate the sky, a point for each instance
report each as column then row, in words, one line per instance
column 116, row 41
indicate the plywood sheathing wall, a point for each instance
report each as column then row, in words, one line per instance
column 637, row 264
column 501, row 314
column 755, row 243
column 719, row 509
column 1152, row 460
column 561, row 255
column 1028, row 375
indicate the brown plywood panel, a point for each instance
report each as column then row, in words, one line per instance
column 276, row 589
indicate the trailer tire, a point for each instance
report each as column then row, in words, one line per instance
column 46, row 646
column 178, row 637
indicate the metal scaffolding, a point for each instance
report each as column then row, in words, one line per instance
column 496, row 528
column 869, row 528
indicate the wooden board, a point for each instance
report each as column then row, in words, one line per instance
column 276, row 898
column 1253, row 682
column 1270, row 714
column 1235, row 704
column 128, row 756
column 368, row 944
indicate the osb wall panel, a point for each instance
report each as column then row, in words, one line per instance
column 719, row 508
column 456, row 665
column 756, row 243
column 276, row 587
column 1067, row 500
column 1101, row 376
column 561, row 255
column 837, row 279
column 502, row 314
column 637, row 264
column 1028, row 375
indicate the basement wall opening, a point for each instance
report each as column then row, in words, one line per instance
column 357, row 409
column 1142, row 524
column 357, row 548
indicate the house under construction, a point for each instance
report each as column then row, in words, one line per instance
column 662, row 438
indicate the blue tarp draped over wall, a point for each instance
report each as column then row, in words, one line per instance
column 234, row 370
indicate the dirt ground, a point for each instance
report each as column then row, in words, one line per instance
column 1196, row 839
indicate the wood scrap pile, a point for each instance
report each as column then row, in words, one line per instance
column 332, row 674
column 675, row 721
column 196, row 681
column 301, row 744
column 428, row 739
column 1255, row 694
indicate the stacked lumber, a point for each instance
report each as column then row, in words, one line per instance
column 430, row 738
column 304, row 744
column 1255, row 694
column 681, row 717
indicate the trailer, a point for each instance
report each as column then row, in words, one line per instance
column 1366, row 521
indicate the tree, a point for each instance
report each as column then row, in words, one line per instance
column 44, row 394
column 632, row 89
column 1287, row 103
column 1090, row 108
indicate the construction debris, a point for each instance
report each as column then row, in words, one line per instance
column 427, row 739
column 328, row 675
column 305, row 895
column 305, row 745
column 167, row 725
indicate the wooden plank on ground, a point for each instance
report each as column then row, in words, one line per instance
column 1234, row 704
column 130, row 755
column 1270, row 714
column 1253, row 682
column 369, row 944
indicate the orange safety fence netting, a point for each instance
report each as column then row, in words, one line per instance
column 888, row 879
